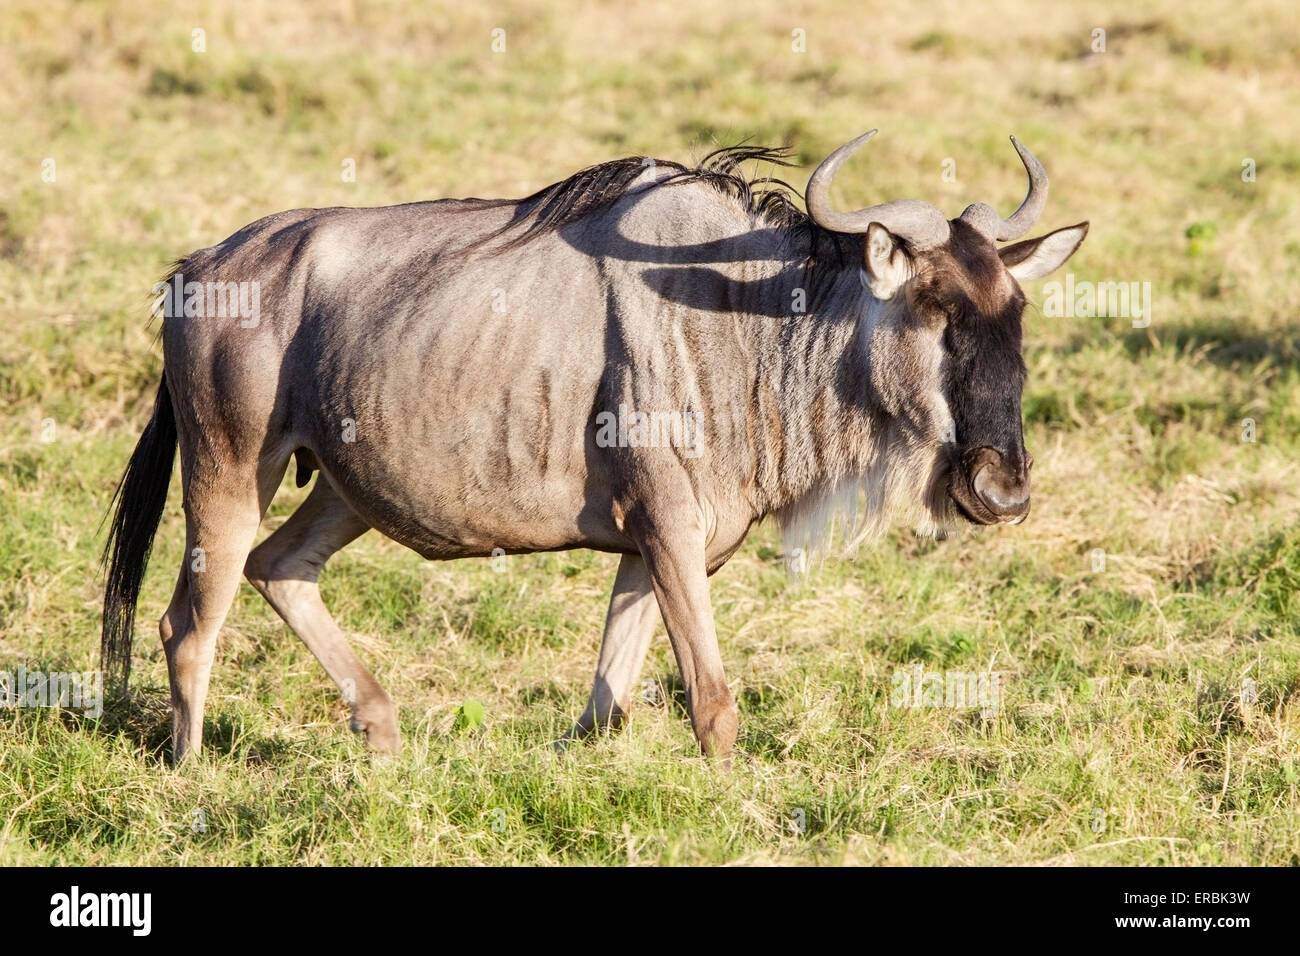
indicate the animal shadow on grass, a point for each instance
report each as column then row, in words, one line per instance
column 543, row 694
column 1226, row 345
column 1222, row 343
column 672, row 694
column 754, row 701
column 145, row 719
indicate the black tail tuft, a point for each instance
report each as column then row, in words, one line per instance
column 139, row 500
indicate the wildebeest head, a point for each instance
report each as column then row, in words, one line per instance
column 945, row 338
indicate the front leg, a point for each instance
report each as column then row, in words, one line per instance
column 674, row 553
column 629, row 625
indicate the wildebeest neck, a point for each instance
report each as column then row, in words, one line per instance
column 810, row 416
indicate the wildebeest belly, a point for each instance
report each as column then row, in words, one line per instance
column 458, row 429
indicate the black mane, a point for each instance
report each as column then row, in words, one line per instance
column 769, row 201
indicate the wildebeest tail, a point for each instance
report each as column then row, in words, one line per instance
column 138, row 503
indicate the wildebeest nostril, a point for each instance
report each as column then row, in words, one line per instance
column 1005, row 494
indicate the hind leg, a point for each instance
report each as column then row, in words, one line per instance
column 629, row 626
column 285, row 568
column 221, row 519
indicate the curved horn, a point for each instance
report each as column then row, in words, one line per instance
column 918, row 222
column 986, row 219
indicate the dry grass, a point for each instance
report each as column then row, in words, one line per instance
column 1123, row 689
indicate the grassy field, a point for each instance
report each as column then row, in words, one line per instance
column 1143, row 621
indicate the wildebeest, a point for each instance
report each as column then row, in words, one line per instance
column 643, row 359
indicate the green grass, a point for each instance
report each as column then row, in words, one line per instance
column 1123, row 735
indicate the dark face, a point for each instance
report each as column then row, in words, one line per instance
column 965, row 286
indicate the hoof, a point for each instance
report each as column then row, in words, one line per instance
column 716, row 731
column 380, row 730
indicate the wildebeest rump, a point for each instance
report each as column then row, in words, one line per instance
column 644, row 359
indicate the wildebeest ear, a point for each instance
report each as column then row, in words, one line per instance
column 886, row 265
column 1035, row 258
